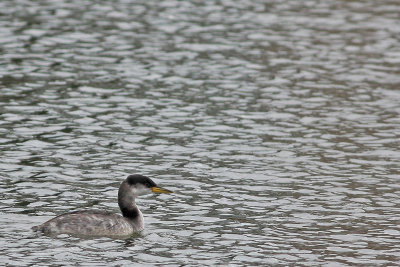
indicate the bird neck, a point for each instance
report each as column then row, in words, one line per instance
column 129, row 211
column 132, row 213
column 126, row 202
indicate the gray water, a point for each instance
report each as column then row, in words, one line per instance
column 276, row 123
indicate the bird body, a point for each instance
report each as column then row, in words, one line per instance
column 91, row 223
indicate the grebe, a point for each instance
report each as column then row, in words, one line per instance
column 102, row 223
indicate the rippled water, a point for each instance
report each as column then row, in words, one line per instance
column 275, row 122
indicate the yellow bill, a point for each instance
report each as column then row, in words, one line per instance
column 156, row 189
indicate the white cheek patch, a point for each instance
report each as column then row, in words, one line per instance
column 139, row 190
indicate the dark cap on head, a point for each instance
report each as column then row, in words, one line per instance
column 140, row 179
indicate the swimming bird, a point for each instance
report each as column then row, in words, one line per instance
column 102, row 223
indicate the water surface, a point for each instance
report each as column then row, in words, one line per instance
column 276, row 124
